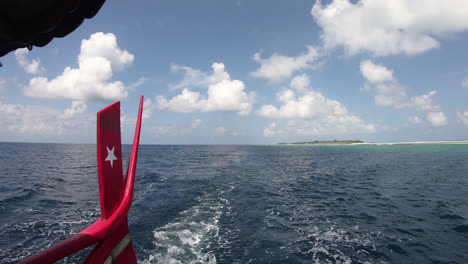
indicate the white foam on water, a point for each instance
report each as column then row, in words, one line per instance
column 326, row 244
column 190, row 237
column 40, row 234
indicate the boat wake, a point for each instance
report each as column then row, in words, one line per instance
column 193, row 236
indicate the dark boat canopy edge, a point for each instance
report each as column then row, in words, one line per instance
column 28, row 23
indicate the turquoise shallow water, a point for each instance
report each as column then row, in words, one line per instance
column 249, row 204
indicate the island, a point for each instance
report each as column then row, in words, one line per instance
column 327, row 142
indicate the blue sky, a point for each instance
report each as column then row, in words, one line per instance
column 248, row 72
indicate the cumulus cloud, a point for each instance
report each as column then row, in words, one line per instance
column 99, row 58
column 271, row 130
column 192, row 77
column 197, row 78
column 380, row 79
column 221, row 130
column 387, row 27
column 224, row 95
column 300, row 83
column 77, row 107
column 421, row 102
column 310, row 105
column 279, row 67
column 389, row 92
column 185, row 102
column 463, row 117
column 375, row 73
column 437, row 118
column 30, row 119
column 228, row 96
column 312, row 114
column 32, row 67
column 34, row 119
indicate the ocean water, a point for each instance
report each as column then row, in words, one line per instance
column 249, row 204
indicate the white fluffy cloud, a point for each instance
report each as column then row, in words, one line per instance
column 77, row 107
column 185, row 102
column 34, row 119
column 197, row 78
column 375, row 73
column 271, row 130
column 437, row 118
column 389, row 92
column 380, row 79
column 463, row 117
column 30, row 67
column 421, row 102
column 386, row 27
column 312, row 114
column 279, row 67
column 300, row 83
column 424, row 103
column 224, row 95
column 192, row 77
column 311, row 105
column 99, row 58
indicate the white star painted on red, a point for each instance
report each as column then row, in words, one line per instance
column 110, row 156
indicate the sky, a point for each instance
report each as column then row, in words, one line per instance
column 248, row 72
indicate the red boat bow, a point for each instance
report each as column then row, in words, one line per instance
column 110, row 232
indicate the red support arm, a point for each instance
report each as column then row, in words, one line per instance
column 102, row 227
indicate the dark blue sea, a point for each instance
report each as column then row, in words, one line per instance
column 249, row 204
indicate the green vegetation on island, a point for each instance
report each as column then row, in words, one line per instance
column 327, row 142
